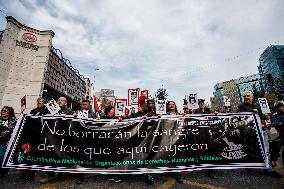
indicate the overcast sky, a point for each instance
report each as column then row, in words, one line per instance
column 186, row 46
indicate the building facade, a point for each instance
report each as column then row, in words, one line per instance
column 271, row 68
column 30, row 66
column 271, row 64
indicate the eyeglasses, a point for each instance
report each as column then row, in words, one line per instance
column 171, row 104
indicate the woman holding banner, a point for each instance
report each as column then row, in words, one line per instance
column 7, row 124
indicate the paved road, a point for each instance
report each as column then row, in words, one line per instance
column 196, row 180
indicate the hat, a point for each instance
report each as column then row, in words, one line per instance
column 150, row 100
column 278, row 104
column 201, row 100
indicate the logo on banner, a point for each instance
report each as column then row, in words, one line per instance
column 234, row 152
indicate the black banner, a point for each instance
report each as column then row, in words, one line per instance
column 134, row 146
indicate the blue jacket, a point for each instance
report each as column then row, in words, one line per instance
column 278, row 118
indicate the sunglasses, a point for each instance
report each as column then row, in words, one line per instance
column 4, row 110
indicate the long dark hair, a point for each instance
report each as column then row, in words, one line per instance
column 108, row 108
column 11, row 112
column 167, row 109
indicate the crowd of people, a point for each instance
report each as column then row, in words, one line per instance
column 146, row 107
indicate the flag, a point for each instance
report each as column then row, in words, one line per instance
column 96, row 106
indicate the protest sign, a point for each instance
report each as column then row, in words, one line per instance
column 119, row 107
column 192, row 101
column 264, row 105
column 133, row 96
column 135, row 146
column 23, row 103
column 227, row 101
column 52, row 107
column 161, row 107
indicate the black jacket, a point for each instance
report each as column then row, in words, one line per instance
column 6, row 129
column 199, row 111
column 246, row 107
column 40, row 111
column 65, row 110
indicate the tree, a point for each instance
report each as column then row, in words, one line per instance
column 271, row 98
column 161, row 94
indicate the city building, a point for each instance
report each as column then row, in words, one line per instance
column 31, row 67
column 271, row 68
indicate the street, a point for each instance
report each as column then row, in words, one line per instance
column 197, row 180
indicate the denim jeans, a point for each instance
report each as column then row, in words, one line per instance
column 2, row 152
column 3, row 148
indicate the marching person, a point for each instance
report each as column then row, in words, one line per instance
column 86, row 106
column 278, row 121
column 248, row 133
column 109, row 114
column 151, row 107
column 7, row 124
column 204, row 110
column 186, row 110
column 171, row 108
column 248, row 105
column 201, row 108
column 39, row 110
column 62, row 102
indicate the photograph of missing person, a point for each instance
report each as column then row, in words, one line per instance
column 133, row 96
column 161, row 107
column 119, row 107
column 227, row 101
column 192, row 101
column 144, row 93
column 52, row 107
column 264, row 105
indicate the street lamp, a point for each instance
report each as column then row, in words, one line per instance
column 96, row 69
